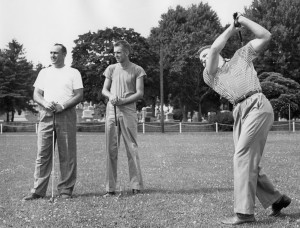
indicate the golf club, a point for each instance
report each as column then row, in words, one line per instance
column 53, row 158
column 237, row 24
column 117, row 132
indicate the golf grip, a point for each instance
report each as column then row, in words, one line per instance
column 115, row 109
column 237, row 24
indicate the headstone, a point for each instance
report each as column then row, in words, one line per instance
column 195, row 117
column 88, row 112
column 169, row 117
column 20, row 118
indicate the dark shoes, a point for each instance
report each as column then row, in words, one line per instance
column 283, row 202
column 239, row 219
column 32, row 196
column 136, row 191
column 109, row 194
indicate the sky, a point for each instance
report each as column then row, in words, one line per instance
column 38, row 24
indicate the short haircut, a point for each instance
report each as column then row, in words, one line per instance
column 63, row 48
column 124, row 44
column 203, row 48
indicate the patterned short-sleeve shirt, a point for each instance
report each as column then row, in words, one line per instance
column 236, row 77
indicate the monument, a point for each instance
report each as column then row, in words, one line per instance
column 88, row 112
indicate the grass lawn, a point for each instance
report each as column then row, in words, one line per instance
column 188, row 183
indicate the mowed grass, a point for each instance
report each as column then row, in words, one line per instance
column 188, row 182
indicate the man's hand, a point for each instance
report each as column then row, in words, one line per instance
column 58, row 108
column 113, row 99
column 50, row 106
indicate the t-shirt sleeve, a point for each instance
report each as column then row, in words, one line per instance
column 39, row 82
column 141, row 73
column 77, row 82
column 108, row 72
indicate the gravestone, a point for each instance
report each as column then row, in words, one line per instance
column 88, row 111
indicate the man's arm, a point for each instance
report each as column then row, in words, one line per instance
column 263, row 36
column 216, row 48
column 77, row 98
column 136, row 96
column 106, row 91
column 38, row 97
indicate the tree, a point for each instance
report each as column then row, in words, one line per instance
column 180, row 34
column 283, row 94
column 282, row 19
column 16, row 80
column 94, row 52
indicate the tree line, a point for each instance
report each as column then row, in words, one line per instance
column 180, row 33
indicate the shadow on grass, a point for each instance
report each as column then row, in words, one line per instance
column 187, row 191
column 159, row 191
column 270, row 220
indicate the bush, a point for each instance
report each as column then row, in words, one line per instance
column 224, row 119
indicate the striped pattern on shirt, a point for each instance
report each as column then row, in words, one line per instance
column 236, row 77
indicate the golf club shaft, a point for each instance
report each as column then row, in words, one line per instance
column 53, row 154
column 117, row 132
column 241, row 38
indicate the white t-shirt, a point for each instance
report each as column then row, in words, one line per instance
column 58, row 84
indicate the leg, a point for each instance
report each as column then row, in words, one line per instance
column 111, row 150
column 249, row 149
column 43, row 166
column 128, row 125
column 66, row 143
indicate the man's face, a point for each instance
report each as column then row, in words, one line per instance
column 204, row 56
column 57, row 56
column 120, row 54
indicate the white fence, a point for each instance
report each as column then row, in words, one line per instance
column 153, row 127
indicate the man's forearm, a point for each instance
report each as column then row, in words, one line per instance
column 259, row 31
column 132, row 98
column 220, row 42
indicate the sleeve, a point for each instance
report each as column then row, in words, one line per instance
column 208, row 79
column 140, row 73
column 247, row 52
column 77, row 82
column 108, row 72
column 39, row 82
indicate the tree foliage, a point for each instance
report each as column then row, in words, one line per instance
column 94, row 52
column 180, row 34
column 16, row 80
column 283, row 94
column 282, row 19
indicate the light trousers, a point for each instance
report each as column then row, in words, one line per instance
column 127, row 127
column 253, row 119
column 66, row 147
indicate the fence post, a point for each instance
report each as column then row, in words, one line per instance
column 143, row 128
column 180, row 129
column 294, row 126
column 1, row 129
column 217, row 130
column 36, row 127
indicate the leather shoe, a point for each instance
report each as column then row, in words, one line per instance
column 109, row 194
column 283, row 202
column 32, row 196
column 136, row 191
column 65, row 196
column 239, row 219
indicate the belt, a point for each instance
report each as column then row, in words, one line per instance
column 244, row 97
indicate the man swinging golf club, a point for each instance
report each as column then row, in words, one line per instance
column 58, row 89
column 237, row 81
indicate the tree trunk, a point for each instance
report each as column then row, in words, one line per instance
column 12, row 116
column 199, row 113
column 7, row 117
